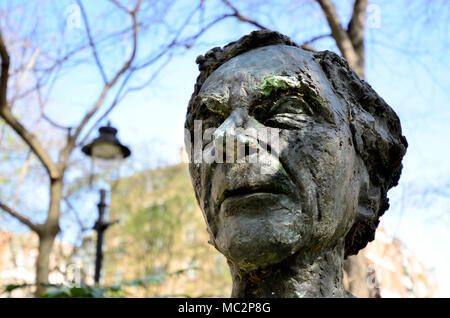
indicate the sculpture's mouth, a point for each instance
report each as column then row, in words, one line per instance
column 243, row 193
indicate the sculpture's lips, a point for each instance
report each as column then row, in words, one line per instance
column 259, row 204
column 247, row 192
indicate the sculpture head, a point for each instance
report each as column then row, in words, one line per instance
column 339, row 150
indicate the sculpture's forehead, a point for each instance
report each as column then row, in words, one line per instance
column 240, row 78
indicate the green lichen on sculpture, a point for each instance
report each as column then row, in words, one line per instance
column 320, row 100
column 281, row 168
column 274, row 82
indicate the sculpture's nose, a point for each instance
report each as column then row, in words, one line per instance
column 236, row 119
column 237, row 137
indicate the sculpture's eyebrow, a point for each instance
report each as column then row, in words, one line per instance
column 208, row 104
column 207, row 99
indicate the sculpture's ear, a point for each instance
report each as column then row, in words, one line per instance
column 368, row 200
column 366, row 220
column 366, row 142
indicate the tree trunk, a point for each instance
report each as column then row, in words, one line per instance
column 355, row 31
column 43, row 262
column 47, row 234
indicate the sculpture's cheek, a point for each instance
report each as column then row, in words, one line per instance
column 337, row 189
column 321, row 160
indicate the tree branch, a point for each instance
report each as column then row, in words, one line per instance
column 91, row 41
column 190, row 40
column 307, row 44
column 4, row 75
column 316, row 38
column 5, row 113
column 31, row 141
column 241, row 17
column 119, row 5
column 76, row 214
column 341, row 37
column 355, row 31
column 116, row 100
column 72, row 140
column 42, row 103
column 19, row 217
column 355, row 28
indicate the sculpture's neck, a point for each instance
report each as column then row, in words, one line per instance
column 301, row 275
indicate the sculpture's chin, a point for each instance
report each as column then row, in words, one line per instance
column 259, row 253
column 260, row 230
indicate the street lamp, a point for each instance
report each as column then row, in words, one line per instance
column 108, row 148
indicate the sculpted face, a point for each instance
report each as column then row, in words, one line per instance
column 308, row 201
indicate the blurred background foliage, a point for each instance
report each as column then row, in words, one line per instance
column 161, row 229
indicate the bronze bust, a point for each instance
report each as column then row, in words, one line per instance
column 339, row 147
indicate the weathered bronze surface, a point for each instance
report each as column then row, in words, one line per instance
column 340, row 146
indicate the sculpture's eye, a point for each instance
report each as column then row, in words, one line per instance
column 291, row 105
column 289, row 112
column 211, row 122
column 209, row 119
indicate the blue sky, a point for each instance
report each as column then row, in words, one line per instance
column 407, row 64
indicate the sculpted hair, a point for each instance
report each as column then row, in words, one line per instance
column 376, row 130
column 377, row 139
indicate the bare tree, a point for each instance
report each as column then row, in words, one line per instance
column 115, row 86
column 55, row 170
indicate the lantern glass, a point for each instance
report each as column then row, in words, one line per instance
column 106, row 150
column 105, row 172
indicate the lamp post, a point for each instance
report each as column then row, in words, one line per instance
column 106, row 147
